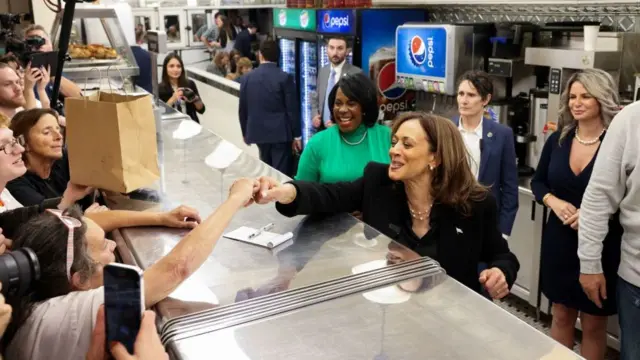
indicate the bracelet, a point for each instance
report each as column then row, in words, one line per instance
column 544, row 198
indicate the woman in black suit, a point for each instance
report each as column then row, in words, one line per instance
column 178, row 92
column 427, row 199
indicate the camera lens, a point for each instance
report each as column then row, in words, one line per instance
column 18, row 269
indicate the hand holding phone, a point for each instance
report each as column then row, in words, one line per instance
column 124, row 304
column 147, row 347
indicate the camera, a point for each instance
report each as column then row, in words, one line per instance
column 189, row 94
column 18, row 269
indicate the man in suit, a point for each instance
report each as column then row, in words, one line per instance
column 243, row 41
column 328, row 76
column 269, row 113
column 490, row 145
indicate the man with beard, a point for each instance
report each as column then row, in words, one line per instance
column 11, row 96
column 328, row 76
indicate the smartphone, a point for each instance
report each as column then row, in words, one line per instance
column 45, row 60
column 123, row 303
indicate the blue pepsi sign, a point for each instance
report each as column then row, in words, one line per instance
column 421, row 51
column 336, row 21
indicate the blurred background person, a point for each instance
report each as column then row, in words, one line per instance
column 243, row 66
column 177, row 91
column 589, row 103
column 269, row 113
column 226, row 34
column 220, row 64
column 244, row 40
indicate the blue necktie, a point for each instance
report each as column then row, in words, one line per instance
column 326, row 114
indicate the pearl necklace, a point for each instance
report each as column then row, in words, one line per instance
column 420, row 215
column 588, row 142
column 355, row 143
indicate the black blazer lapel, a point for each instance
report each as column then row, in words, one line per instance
column 453, row 247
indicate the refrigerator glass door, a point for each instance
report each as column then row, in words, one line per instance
column 308, row 91
column 288, row 56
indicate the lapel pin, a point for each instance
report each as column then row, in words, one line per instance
column 490, row 134
column 458, row 230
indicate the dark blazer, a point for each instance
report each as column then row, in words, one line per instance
column 462, row 241
column 143, row 58
column 243, row 44
column 165, row 92
column 499, row 170
column 268, row 111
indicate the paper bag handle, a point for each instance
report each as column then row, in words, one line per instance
column 86, row 80
column 124, row 89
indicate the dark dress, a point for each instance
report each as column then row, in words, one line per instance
column 560, row 268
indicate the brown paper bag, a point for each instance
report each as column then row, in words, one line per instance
column 111, row 141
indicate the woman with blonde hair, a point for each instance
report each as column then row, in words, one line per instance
column 589, row 103
column 220, row 64
column 243, row 66
column 427, row 199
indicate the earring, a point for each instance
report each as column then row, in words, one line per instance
column 431, row 167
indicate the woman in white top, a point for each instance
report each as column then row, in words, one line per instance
column 56, row 318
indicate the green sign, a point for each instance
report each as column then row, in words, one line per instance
column 298, row 19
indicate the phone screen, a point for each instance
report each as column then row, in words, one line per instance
column 124, row 304
column 45, row 59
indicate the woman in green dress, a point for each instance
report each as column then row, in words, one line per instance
column 341, row 152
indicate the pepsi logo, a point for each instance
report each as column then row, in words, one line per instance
column 387, row 84
column 417, row 50
column 326, row 18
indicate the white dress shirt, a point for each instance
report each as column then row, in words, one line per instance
column 472, row 142
column 338, row 71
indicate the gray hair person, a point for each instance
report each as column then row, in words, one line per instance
column 601, row 86
column 563, row 174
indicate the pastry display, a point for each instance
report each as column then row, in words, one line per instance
column 91, row 52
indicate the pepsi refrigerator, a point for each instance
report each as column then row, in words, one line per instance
column 295, row 31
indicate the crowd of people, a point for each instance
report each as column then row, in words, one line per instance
column 445, row 178
column 444, row 188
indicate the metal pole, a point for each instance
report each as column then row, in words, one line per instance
column 63, row 47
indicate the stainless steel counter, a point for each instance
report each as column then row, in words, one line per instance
column 321, row 249
column 443, row 319
column 447, row 321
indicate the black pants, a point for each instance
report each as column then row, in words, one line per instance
column 279, row 156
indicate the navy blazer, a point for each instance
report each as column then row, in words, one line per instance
column 499, row 169
column 268, row 110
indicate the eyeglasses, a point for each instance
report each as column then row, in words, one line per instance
column 11, row 145
column 70, row 223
